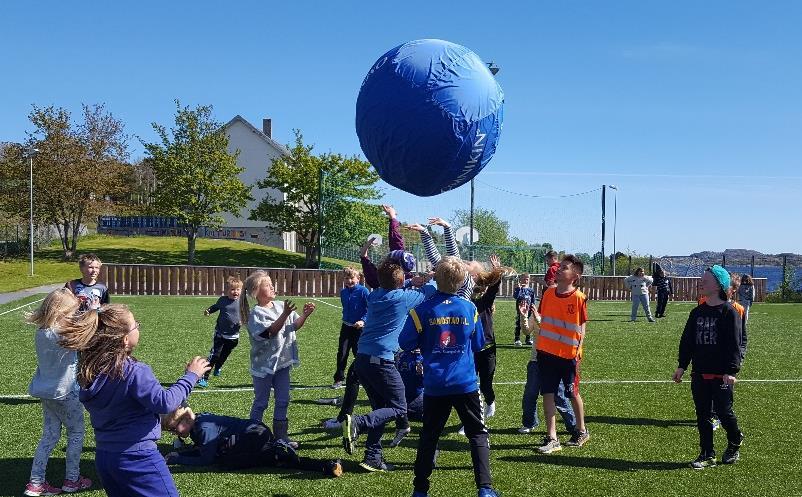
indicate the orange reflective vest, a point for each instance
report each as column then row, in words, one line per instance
column 738, row 307
column 561, row 326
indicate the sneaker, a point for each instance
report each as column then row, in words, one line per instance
column 704, row 461
column 203, row 383
column 349, row 434
column 487, row 492
column 44, row 488
column 332, row 424
column 461, row 430
column 732, row 453
column 528, row 341
column 526, row 429
column 82, row 483
column 715, row 422
column 216, row 372
column 517, row 343
column 338, row 384
column 651, row 320
column 490, row 410
column 549, row 445
column 399, row 435
column 377, row 467
column 333, row 469
column 578, row 439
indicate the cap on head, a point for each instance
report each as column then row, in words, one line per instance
column 722, row 276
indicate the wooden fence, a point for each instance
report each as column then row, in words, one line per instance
column 142, row 279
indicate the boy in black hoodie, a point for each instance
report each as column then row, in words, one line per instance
column 711, row 340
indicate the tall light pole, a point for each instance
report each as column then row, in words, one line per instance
column 615, row 223
column 31, row 153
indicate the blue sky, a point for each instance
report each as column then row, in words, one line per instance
column 693, row 109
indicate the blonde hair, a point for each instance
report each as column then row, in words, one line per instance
column 58, row 305
column 233, row 281
column 252, row 284
column 449, row 274
column 171, row 420
column 350, row 272
column 99, row 337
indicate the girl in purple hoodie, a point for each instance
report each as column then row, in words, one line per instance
column 124, row 400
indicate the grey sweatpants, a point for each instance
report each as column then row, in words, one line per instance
column 68, row 412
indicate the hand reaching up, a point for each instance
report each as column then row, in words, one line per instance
column 308, row 309
column 439, row 221
column 389, row 210
column 198, row 365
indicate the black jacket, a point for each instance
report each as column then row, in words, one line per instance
column 484, row 306
column 712, row 340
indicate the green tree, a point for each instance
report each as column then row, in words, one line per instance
column 79, row 171
column 347, row 183
column 492, row 229
column 196, row 178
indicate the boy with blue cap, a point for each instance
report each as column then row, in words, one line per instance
column 712, row 341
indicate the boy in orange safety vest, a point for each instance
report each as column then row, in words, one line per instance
column 564, row 313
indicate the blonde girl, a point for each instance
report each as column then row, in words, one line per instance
column 54, row 383
column 274, row 349
column 124, row 400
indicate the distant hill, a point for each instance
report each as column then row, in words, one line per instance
column 744, row 256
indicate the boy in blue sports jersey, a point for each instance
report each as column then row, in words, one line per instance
column 447, row 330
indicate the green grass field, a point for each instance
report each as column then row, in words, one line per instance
column 49, row 267
column 642, row 426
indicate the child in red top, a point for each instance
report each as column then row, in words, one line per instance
column 552, row 260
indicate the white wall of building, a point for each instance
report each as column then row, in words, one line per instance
column 256, row 153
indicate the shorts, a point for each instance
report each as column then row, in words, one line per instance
column 555, row 369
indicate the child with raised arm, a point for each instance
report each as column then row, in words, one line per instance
column 90, row 293
column 124, row 400
column 564, row 313
column 388, row 306
column 274, row 348
column 236, row 444
column 54, row 383
column 354, row 300
column 448, row 331
column 226, row 330
column 711, row 341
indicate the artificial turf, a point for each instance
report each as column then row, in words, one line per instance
column 642, row 426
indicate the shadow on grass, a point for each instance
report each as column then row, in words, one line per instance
column 620, row 420
column 17, row 470
column 18, row 402
column 596, row 462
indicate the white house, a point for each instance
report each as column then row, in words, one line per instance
column 257, row 149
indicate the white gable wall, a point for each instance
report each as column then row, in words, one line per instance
column 256, row 154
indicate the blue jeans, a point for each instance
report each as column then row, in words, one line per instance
column 529, row 402
column 640, row 300
column 385, row 389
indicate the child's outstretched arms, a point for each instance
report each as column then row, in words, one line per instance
column 308, row 309
column 368, row 268
column 432, row 254
column 448, row 236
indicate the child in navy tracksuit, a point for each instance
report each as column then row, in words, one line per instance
column 124, row 400
column 447, row 330
column 354, row 299
column 226, row 330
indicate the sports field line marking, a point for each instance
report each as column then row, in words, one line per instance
column 327, row 303
column 20, row 307
column 500, row 383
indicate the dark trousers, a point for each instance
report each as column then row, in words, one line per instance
column 135, row 473
column 485, row 361
column 382, row 382
column 708, row 394
column 350, row 394
column 662, row 301
column 349, row 336
column 436, row 411
column 221, row 349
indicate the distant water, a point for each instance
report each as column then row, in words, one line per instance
column 773, row 274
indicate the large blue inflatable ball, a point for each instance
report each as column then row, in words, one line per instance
column 429, row 116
